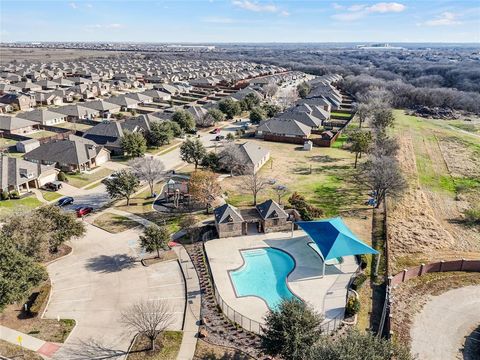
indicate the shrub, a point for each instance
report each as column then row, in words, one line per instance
column 14, row 195
column 61, row 176
column 363, row 261
column 353, row 306
column 4, row 195
column 472, row 216
column 358, row 281
column 307, row 212
column 40, row 299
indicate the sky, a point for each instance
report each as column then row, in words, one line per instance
column 217, row 21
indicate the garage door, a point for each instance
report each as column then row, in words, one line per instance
column 47, row 177
column 102, row 157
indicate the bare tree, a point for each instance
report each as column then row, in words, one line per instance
column 270, row 89
column 281, row 191
column 149, row 318
column 383, row 176
column 287, row 98
column 149, row 169
column 231, row 159
column 254, row 184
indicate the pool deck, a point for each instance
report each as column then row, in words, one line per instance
column 326, row 295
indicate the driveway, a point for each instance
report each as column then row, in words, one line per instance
column 99, row 280
column 440, row 329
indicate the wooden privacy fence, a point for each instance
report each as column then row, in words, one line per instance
column 441, row 266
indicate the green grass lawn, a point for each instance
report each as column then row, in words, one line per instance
column 74, row 126
column 83, row 179
column 41, row 134
column 165, row 148
column 50, row 195
column 8, row 207
column 426, row 135
column 114, row 223
column 324, row 176
column 168, row 346
column 340, row 114
column 6, row 142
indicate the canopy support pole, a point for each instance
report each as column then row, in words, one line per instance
column 377, row 264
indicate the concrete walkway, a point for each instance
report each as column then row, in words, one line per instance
column 192, row 314
column 47, row 349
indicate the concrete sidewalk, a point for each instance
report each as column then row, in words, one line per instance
column 47, row 349
column 192, row 313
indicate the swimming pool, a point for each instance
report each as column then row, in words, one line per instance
column 264, row 274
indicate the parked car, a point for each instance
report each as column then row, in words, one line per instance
column 65, row 201
column 84, row 210
column 215, row 131
column 219, row 137
column 53, row 186
column 110, row 177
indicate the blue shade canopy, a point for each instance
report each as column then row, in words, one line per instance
column 334, row 238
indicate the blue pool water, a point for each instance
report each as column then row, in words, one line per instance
column 264, row 274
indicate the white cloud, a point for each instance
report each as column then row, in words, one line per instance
column 338, row 6
column 73, row 5
column 444, row 19
column 254, row 6
column 358, row 11
column 386, row 7
column 89, row 6
column 259, row 7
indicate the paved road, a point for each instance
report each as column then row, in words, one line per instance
column 439, row 330
column 97, row 281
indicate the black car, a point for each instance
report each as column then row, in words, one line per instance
column 65, row 201
column 219, row 137
column 53, row 186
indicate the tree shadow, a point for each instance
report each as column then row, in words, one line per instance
column 323, row 158
column 471, row 349
column 89, row 349
column 110, row 264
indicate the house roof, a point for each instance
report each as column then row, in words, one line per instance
column 40, row 115
column 271, row 210
column 74, row 150
column 253, row 152
column 302, row 117
column 285, row 126
column 10, row 123
column 226, row 214
column 101, row 105
column 76, row 110
column 105, row 133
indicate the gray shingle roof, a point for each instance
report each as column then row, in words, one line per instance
column 282, row 127
column 10, row 123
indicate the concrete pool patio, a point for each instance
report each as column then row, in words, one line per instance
column 326, row 295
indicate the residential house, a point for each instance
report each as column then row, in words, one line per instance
column 103, row 107
column 76, row 112
column 19, row 101
column 72, row 154
column 44, row 117
column 284, row 130
column 108, row 134
column 21, row 175
column 16, row 126
column 251, row 155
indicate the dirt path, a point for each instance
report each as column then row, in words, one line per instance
column 439, row 331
